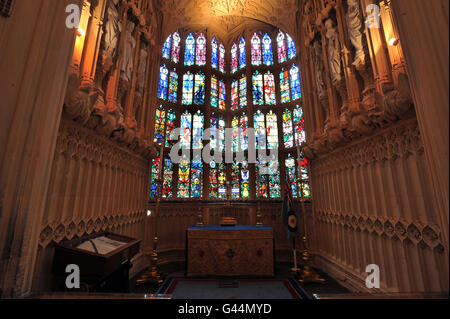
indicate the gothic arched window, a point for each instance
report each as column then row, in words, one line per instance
column 234, row 58
column 267, row 50
column 201, row 50
column 256, row 50
column 281, row 44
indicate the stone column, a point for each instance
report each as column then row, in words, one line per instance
column 35, row 59
column 423, row 30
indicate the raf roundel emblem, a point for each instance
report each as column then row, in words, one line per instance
column 292, row 221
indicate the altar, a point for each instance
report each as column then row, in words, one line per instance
column 231, row 251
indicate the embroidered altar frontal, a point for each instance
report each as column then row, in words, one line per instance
column 245, row 251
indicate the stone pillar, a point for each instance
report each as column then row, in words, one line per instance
column 423, row 31
column 35, row 60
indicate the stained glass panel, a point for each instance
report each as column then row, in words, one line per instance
column 292, row 51
column 288, row 130
column 260, row 130
column 243, row 92
column 244, row 132
column 217, row 131
column 235, row 185
column 186, row 129
column 214, row 92
column 269, row 88
column 197, row 133
column 234, row 95
column 156, row 164
column 291, row 176
column 267, row 50
column 274, row 179
column 176, row 47
column 173, row 87
column 284, row 87
column 222, row 58
column 214, row 53
column 167, row 178
column 235, row 137
column 272, row 131
column 166, row 48
column 242, row 54
column 299, row 126
column 201, row 50
column 183, row 178
column 188, row 87
column 189, row 55
column 234, row 58
column 256, row 50
column 281, row 44
column 199, row 95
column 261, row 179
column 295, row 83
column 245, row 180
column 197, row 179
column 163, row 82
column 170, row 127
column 222, row 95
column 258, row 97
column 159, row 125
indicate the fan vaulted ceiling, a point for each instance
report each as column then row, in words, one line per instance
column 228, row 16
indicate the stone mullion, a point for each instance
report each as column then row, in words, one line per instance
column 65, row 189
column 53, row 197
column 76, row 188
column 75, row 66
column 153, row 101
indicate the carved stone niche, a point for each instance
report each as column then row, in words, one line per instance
column 77, row 102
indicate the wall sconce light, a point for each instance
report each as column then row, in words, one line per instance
column 80, row 32
column 393, row 42
column 149, row 213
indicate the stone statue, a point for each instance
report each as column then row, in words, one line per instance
column 354, row 25
column 141, row 69
column 113, row 29
column 319, row 69
column 334, row 51
column 128, row 50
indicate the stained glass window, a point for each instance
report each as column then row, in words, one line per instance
column 295, row 83
column 274, row 179
column 292, row 51
column 299, row 126
column 166, row 48
column 258, row 97
column 272, row 131
column 176, row 47
column 222, row 95
column 199, row 90
column 159, row 125
column 214, row 53
column 256, row 50
column 188, row 87
column 222, row 58
column 234, row 58
column 260, row 130
column 291, row 176
column 189, row 56
column 183, row 178
column 217, row 131
column 197, row 133
column 163, row 82
column 288, row 131
column 173, row 86
column 214, row 92
column 267, row 50
column 201, row 50
column 167, row 178
column 235, row 185
column 197, row 179
column 245, row 180
column 235, row 137
column 186, row 129
column 281, row 44
column 269, row 88
column 304, row 176
column 156, row 165
column 243, row 92
column 244, row 132
column 242, row 54
column 261, row 179
column 170, row 127
column 234, row 95
column 284, row 87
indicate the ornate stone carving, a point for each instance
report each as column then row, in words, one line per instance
column 113, row 28
column 334, row 51
column 127, row 66
column 354, row 25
